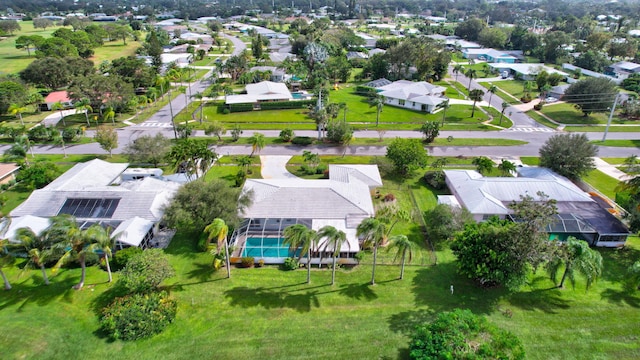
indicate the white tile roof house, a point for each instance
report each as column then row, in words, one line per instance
column 342, row 201
column 94, row 192
column 419, row 96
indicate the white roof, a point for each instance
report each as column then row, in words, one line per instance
column 492, row 52
column 527, row 69
column 180, row 59
column 448, row 200
column 344, row 196
column 132, row 231
column 35, row 223
column 420, row 92
column 492, row 195
column 88, row 175
column 351, row 245
column 368, row 174
column 262, row 91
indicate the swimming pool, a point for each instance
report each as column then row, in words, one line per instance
column 266, row 247
column 297, row 95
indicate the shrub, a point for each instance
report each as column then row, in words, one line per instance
column 538, row 106
column 359, row 256
column 290, row 264
column 226, row 111
column 37, row 175
column 278, row 105
column 260, row 263
column 71, row 134
column 41, row 133
column 240, row 107
column 320, row 169
column 526, row 98
column 307, row 170
column 145, row 271
column 138, row 316
column 389, row 198
column 121, row 257
column 302, row 140
column 435, row 179
column 246, row 262
column 286, row 135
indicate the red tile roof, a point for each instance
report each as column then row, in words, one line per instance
column 54, row 97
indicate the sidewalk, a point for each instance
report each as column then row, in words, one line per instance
column 275, row 167
column 611, row 170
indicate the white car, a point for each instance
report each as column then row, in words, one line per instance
column 550, row 99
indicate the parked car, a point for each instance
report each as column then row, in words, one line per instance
column 550, row 99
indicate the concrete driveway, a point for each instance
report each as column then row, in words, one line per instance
column 275, row 167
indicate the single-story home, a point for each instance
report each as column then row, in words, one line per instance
column 419, row 96
column 622, row 69
column 263, row 91
column 488, row 55
column 558, row 91
column 369, row 41
column 580, row 214
column 357, row 55
column 8, row 172
column 342, row 201
column 55, row 97
column 525, row 71
column 277, row 74
column 130, row 202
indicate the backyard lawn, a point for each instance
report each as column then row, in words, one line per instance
column 271, row 313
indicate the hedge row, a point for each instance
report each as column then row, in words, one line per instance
column 276, row 105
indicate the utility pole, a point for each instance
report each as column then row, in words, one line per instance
column 613, row 109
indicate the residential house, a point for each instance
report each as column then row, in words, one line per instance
column 278, row 75
column 57, row 97
column 488, row 55
column 97, row 192
column 342, row 201
column 525, row 71
column 263, row 91
column 369, row 41
column 419, row 96
column 622, row 69
column 8, row 172
column 558, row 91
column 580, row 214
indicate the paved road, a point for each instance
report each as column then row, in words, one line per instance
column 519, row 118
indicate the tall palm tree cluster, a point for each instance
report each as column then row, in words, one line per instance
column 62, row 243
column 372, row 232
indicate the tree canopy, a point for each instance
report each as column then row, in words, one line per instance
column 569, row 155
column 198, row 203
column 592, row 94
column 407, row 155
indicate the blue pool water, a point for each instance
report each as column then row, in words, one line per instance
column 266, row 247
column 296, row 95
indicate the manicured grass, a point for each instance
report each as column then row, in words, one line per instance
column 504, row 95
column 482, row 70
column 14, row 60
column 359, row 114
column 603, row 182
column 614, row 161
column 541, row 119
column 114, row 49
column 566, row 113
column 505, row 122
column 596, row 128
column 513, row 87
column 618, row 143
column 271, row 313
column 530, row 160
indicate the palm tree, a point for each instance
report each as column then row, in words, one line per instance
column 84, row 105
column 59, row 106
column 373, row 232
column 505, row 105
column 6, row 259
column 391, row 215
column 200, row 96
column 483, row 164
column 161, row 81
column 333, row 240
column 492, row 89
column 109, row 113
column 475, row 95
column 506, row 167
column 377, row 101
column 444, row 106
column 633, row 276
column 457, row 69
column 58, row 139
column 218, row 229
column 300, row 237
column 403, row 245
column 152, row 93
column 71, row 242
column 38, row 249
column 257, row 142
column 471, row 74
column 15, row 109
column 576, row 255
column 102, row 241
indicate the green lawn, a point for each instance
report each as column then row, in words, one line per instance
column 269, row 313
column 618, row 143
column 603, row 182
column 482, row 70
column 513, row 87
column 566, row 113
column 359, row 114
column 14, row 60
column 541, row 119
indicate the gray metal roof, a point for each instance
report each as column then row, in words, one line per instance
column 88, row 174
column 368, row 174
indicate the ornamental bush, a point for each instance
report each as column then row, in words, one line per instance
column 247, row 262
column 460, row 334
column 145, row 271
column 290, row 264
column 138, row 316
column 302, row 140
column 121, row 257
